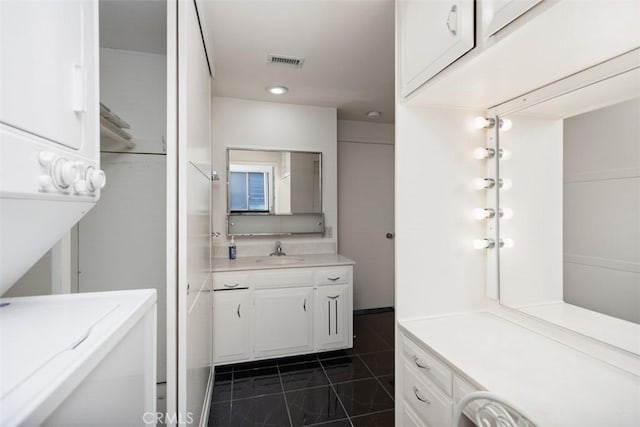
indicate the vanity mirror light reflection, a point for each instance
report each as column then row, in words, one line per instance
column 574, row 173
column 274, row 192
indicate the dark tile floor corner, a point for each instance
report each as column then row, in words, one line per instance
column 349, row 388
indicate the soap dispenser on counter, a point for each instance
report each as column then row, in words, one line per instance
column 232, row 248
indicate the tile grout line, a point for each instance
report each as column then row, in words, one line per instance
column 336, row 393
column 378, row 380
column 284, row 395
column 375, row 412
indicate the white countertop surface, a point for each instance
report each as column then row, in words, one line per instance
column 256, row 263
column 555, row 384
column 48, row 344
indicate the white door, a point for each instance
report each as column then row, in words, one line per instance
column 365, row 215
column 332, row 326
column 231, row 325
column 433, row 34
column 283, row 321
column 189, row 296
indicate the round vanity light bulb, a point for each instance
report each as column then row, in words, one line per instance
column 505, row 184
column 506, row 243
column 482, row 213
column 483, row 244
column 482, row 122
column 482, row 153
column 482, row 183
column 506, row 213
column 505, row 154
column 505, row 124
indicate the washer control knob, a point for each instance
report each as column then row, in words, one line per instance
column 67, row 172
column 44, row 182
column 96, row 179
column 80, row 186
column 46, row 158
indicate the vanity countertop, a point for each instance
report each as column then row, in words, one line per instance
column 556, row 384
column 299, row 261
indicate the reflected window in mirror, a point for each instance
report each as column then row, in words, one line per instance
column 250, row 188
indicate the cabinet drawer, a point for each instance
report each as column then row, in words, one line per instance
column 286, row 278
column 231, row 281
column 428, row 366
column 460, row 389
column 333, row 276
column 409, row 418
column 430, row 404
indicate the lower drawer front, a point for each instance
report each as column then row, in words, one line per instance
column 409, row 418
column 431, row 405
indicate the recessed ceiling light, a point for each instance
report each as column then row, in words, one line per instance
column 374, row 114
column 278, row 90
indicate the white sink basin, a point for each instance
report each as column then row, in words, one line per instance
column 279, row 260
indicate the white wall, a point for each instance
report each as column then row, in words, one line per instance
column 132, row 85
column 437, row 269
column 265, row 125
column 121, row 242
column 531, row 271
column 602, row 210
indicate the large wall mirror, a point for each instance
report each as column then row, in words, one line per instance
column 274, row 192
column 573, row 252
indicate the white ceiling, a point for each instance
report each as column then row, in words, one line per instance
column 348, row 46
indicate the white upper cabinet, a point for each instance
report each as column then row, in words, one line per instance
column 432, row 35
column 48, row 65
column 497, row 14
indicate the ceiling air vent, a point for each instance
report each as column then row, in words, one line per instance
column 290, row 61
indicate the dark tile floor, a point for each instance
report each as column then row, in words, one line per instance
column 353, row 387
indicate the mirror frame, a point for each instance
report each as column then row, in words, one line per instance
column 285, row 217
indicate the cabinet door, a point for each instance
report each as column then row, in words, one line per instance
column 48, row 67
column 333, row 317
column 231, row 325
column 497, row 14
column 432, row 35
column 283, row 321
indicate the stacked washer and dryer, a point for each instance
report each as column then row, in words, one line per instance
column 64, row 359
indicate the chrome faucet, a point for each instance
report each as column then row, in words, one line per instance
column 278, row 251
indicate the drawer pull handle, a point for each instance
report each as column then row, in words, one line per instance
column 333, row 297
column 420, row 365
column 304, row 305
column 419, row 397
column 333, row 279
column 231, row 285
column 239, row 310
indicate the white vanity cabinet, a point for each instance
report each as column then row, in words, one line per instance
column 232, row 311
column 281, row 311
column 333, row 311
column 432, row 35
column 283, row 321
